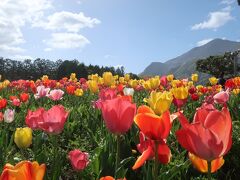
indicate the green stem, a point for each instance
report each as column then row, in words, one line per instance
column 209, row 169
column 55, row 149
column 117, row 155
column 155, row 175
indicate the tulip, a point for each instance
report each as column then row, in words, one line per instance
column 24, row 170
column 194, row 77
column 128, row 91
column 133, row 83
column 78, row 92
column 159, row 101
column 221, row 97
column 79, row 160
column 70, row 89
column 194, row 97
column 209, row 136
column 9, row 115
column 147, row 148
column 180, row 92
column 51, row 121
column 153, row 126
column 127, row 77
column 56, row 94
column 93, row 86
column 33, row 117
column 23, row 137
column 154, row 82
column 118, row 114
column 3, row 103
column 41, row 92
column 201, row 164
column 16, row 102
column 213, row 80
column 170, row 77
column 108, row 78
column 24, row 97
column 164, row 80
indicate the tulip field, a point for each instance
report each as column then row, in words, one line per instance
column 109, row 127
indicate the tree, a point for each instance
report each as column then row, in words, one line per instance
column 216, row 65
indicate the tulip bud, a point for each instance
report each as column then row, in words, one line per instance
column 23, row 137
column 79, row 160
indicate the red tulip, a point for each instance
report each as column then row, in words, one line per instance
column 3, row 103
column 147, row 148
column 194, row 97
column 51, row 121
column 24, row 97
column 105, row 94
column 111, row 178
column 78, row 159
column 209, row 136
column 118, row 114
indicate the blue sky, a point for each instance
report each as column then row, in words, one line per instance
column 132, row 33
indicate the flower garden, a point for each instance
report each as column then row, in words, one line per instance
column 109, row 127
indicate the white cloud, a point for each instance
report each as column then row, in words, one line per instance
column 215, row 20
column 71, row 22
column 14, row 14
column 227, row 2
column 48, row 49
column 204, row 41
column 66, row 41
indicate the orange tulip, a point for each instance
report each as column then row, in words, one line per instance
column 201, row 164
column 156, row 129
column 153, row 126
column 23, row 170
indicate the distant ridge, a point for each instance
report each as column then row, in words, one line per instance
column 184, row 65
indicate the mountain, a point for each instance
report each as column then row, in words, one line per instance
column 184, row 65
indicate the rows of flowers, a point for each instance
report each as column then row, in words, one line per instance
column 114, row 127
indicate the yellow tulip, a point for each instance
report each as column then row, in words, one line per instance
column 194, row 77
column 6, row 83
column 78, row 92
column 190, row 83
column 108, row 78
column 236, row 91
column 133, row 83
column 94, row 77
column 155, row 82
column 159, row 101
column 44, row 78
column 93, row 86
column 180, row 92
column 213, row 80
column 121, row 80
column 23, row 137
column 127, row 77
column 170, row 77
column 175, row 82
column 73, row 76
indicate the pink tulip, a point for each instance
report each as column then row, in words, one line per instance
column 51, row 121
column 164, row 80
column 118, row 114
column 56, row 94
column 16, row 102
column 79, row 160
column 221, row 97
column 33, row 117
column 104, row 94
column 41, row 92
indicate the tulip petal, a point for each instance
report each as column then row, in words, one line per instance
column 164, row 153
column 145, row 109
column 141, row 159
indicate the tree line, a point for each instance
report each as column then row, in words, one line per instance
column 34, row 69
